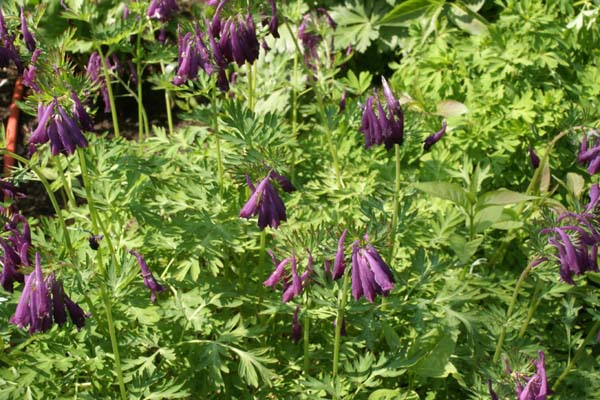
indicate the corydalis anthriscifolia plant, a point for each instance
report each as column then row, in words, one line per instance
column 591, row 156
column 536, row 386
column 310, row 35
column 8, row 51
column 381, row 126
column 293, row 282
column 193, row 55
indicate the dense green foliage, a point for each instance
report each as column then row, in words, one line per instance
column 504, row 74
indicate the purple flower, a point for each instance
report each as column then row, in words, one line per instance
column 296, row 327
column 265, row 202
column 493, row 394
column 29, row 73
column 80, row 114
column 125, row 11
column 27, row 36
column 433, row 139
column 534, row 160
column 577, row 243
column 370, row 274
column 380, row 127
column 3, row 31
column 94, row 241
column 295, row 288
column 9, row 53
column 536, row 387
column 293, row 282
column 342, row 102
column 284, row 182
column 149, row 280
column 56, row 126
column 309, row 36
column 94, row 73
column 162, row 9
column 274, row 24
column 22, row 315
column 590, row 156
column 340, row 264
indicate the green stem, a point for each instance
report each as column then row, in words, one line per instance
column 306, row 342
column 395, row 205
column 251, row 85
column 113, row 341
column 322, row 113
column 167, row 103
column 342, row 299
column 111, row 97
column 217, row 140
column 511, row 306
column 140, row 103
column 66, row 185
column 51, row 195
column 96, row 220
column 532, row 307
column 262, row 251
column 577, row 355
column 294, row 116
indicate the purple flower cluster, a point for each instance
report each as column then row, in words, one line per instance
column 43, row 301
column 162, row 10
column 577, row 243
column 193, row 55
column 231, row 40
column 149, row 279
column 381, row 127
column 370, row 274
column 265, row 202
column 311, row 38
column 94, row 73
column 536, row 387
column 15, row 251
column 293, row 282
column 534, row 160
column 56, row 126
column 591, row 156
column 8, row 51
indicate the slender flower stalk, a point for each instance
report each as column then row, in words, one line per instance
column 111, row 98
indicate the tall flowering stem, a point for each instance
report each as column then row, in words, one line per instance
column 322, row 114
column 138, row 70
column 342, row 301
column 511, row 307
column 215, row 113
column 577, row 355
column 96, row 221
column 167, row 103
column 306, row 339
column 113, row 341
column 51, row 195
column 111, row 97
column 395, row 205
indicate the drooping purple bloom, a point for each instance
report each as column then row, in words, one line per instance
column 296, row 327
column 55, row 125
column 274, row 24
column 149, row 279
column 590, row 156
column 29, row 72
column 125, row 11
column 94, row 73
column 40, row 301
column 493, row 394
column 94, row 241
column 342, row 106
column 22, row 315
column 76, row 313
column 3, row 30
column 80, row 114
column 284, row 182
column 9, row 53
column 433, row 139
column 15, row 251
column 295, row 288
column 27, row 35
column 10, row 261
column 536, row 387
column 309, row 36
column 339, row 263
column 279, row 272
column 534, row 160
column 380, row 127
column 162, row 10
column 370, row 274
column 265, row 202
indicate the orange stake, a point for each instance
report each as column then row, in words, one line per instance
column 12, row 127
